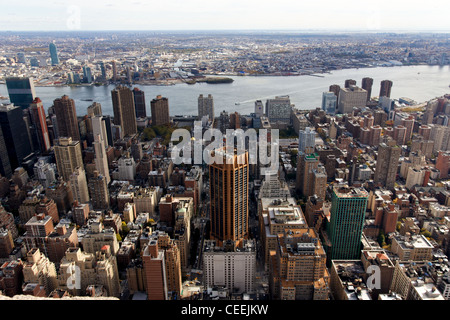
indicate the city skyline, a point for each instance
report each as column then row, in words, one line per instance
column 139, row 167
column 230, row 15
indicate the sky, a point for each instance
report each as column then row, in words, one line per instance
column 351, row 15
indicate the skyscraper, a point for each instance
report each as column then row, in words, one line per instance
column 98, row 191
column 21, row 91
column 114, row 70
column 329, row 102
column 78, row 183
column 160, row 111
column 66, row 117
column 298, row 266
column 335, row 88
column 206, row 106
column 385, row 88
column 53, row 54
column 5, row 165
column 139, row 103
column 68, row 157
column 103, row 70
column 367, row 85
column 387, row 164
column 39, row 122
column 155, row 271
column 100, row 145
column 349, row 82
column 87, row 74
column 15, row 134
column 124, row 110
column 307, row 163
column 279, row 109
column 352, row 97
column 348, row 208
column 229, row 196
column 307, row 140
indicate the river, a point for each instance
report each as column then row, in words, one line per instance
column 420, row 83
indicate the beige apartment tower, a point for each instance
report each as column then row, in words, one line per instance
column 79, row 186
column 68, row 156
column 351, row 97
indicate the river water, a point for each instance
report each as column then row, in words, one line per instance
column 420, row 83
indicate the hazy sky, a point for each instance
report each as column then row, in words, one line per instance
column 412, row 15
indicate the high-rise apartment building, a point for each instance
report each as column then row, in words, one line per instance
column 160, row 111
column 229, row 196
column 87, row 74
column 385, row 88
column 124, row 110
column 78, row 183
column 80, row 213
column 155, row 272
column 259, row 109
column 443, row 163
column 206, row 106
column 11, row 277
column 53, row 54
column 139, row 103
column 347, row 214
column 79, row 269
column 6, row 243
column 329, row 102
column 5, row 164
column 21, row 91
column 351, row 97
column 39, row 122
column 172, row 262
column 307, row 140
column 100, row 147
column 39, row 269
column 114, row 71
column 349, row 82
column 366, row 84
column 306, row 164
column 66, row 117
column 61, row 193
column 335, row 88
column 387, row 164
column 298, row 266
column 98, row 236
column 15, row 135
column 68, row 157
column 98, row 191
column 279, row 109
column 230, row 266
column 274, row 215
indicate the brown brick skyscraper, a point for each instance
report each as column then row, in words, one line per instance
column 124, row 110
column 66, row 117
column 160, row 111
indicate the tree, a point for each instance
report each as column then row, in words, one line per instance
column 125, row 229
column 425, row 233
column 381, row 239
